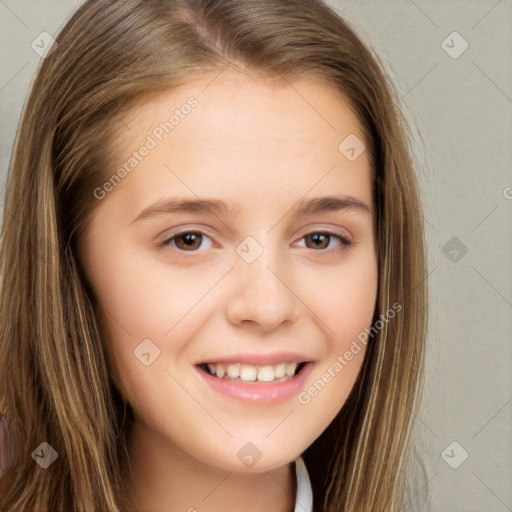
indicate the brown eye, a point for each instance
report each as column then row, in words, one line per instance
column 188, row 241
column 322, row 240
column 319, row 240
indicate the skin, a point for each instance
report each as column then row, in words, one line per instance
column 260, row 145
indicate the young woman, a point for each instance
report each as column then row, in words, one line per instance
column 212, row 260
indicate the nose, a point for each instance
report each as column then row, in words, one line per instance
column 262, row 293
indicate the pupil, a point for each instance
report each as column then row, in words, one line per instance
column 189, row 239
column 318, row 238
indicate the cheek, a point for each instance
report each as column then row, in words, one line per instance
column 141, row 298
column 346, row 308
column 344, row 298
column 352, row 312
column 144, row 308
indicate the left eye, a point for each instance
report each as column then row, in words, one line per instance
column 190, row 241
column 320, row 237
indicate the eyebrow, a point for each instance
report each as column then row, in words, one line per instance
column 218, row 207
column 331, row 204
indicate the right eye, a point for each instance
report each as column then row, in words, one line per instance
column 187, row 241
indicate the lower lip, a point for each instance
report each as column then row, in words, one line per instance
column 259, row 393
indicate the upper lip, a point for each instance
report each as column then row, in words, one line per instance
column 259, row 359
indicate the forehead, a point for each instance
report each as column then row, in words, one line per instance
column 235, row 104
column 244, row 136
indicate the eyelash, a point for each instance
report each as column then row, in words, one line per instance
column 345, row 243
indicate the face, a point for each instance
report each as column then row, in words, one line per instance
column 270, row 284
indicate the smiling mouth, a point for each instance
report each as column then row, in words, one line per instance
column 257, row 374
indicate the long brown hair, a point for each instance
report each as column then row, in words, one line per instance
column 55, row 383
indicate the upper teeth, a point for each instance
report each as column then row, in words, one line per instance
column 252, row 373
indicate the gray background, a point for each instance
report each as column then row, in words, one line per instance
column 459, row 107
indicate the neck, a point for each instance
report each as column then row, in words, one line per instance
column 164, row 478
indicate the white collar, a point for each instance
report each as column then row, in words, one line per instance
column 304, row 496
